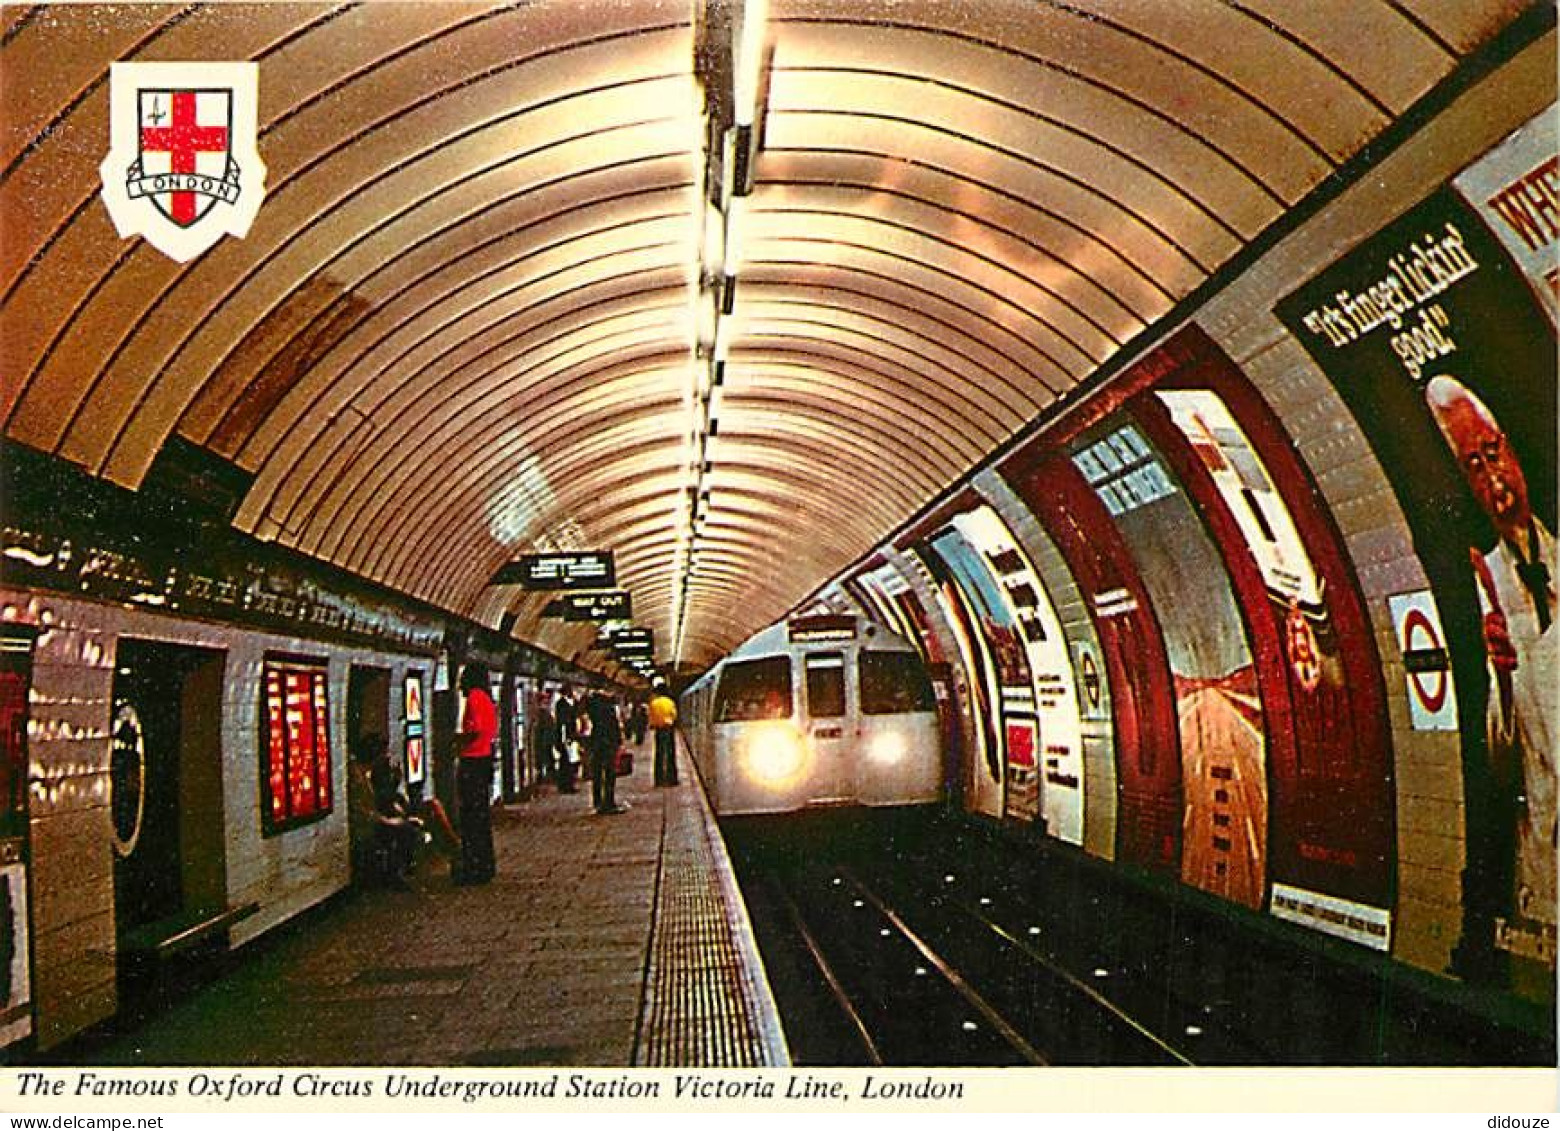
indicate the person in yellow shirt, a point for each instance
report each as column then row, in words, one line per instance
column 663, row 720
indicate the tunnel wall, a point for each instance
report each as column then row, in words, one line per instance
column 1429, row 780
column 1419, row 777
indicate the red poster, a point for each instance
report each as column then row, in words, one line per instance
column 297, row 755
column 1021, row 744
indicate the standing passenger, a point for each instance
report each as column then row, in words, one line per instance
column 544, row 739
column 565, row 716
column 606, row 735
column 474, row 780
column 663, row 720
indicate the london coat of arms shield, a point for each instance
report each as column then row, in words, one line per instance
column 183, row 168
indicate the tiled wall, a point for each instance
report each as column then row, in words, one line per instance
column 74, row 950
column 1428, row 776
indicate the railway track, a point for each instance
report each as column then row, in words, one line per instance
column 905, row 938
column 911, row 983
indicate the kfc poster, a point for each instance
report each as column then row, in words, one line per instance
column 1436, row 340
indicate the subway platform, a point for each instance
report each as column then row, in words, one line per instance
column 604, row 941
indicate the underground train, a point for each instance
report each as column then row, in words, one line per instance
column 816, row 711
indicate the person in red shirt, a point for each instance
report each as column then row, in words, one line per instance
column 474, row 776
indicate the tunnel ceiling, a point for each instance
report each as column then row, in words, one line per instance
column 470, row 319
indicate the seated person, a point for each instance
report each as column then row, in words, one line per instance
column 392, row 801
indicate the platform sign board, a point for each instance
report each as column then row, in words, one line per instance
column 1091, row 680
column 818, row 628
column 611, row 604
column 580, row 569
column 1426, row 663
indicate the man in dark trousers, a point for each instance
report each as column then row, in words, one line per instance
column 568, row 734
column 474, row 776
column 606, row 735
column 663, row 721
column 544, row 740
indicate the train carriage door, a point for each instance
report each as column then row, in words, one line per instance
column 825, row 686
column 165, row 785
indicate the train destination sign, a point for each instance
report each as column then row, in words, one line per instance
column 579, row 569
column 612, row 604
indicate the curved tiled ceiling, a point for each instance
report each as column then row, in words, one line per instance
column 466, row 322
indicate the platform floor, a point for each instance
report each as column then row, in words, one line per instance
column 604, row 940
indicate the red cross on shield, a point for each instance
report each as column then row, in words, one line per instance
column 185, row 150
column 183, row 167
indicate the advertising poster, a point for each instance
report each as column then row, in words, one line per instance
column 15, row 975
column 1325, row 835
column 496, row 689
column 414, row 724
column 878, row 590
column 987, row 769
column 1024, row 599
column 1516, row 189
column 15, row 987
column 297, row 769
column 1001, row 638
column 1220, row 716
column 1434, row 338
column 15, row 675
column 518, row 729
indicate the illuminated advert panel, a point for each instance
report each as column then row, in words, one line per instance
column 296, row 771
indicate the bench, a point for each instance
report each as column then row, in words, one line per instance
column 147, row 951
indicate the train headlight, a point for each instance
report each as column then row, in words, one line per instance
column 887, row 748
column 774, row 754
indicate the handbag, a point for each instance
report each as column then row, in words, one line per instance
column 625, row 762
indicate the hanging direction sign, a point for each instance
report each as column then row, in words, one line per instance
column 580, row 569
column 608, row 605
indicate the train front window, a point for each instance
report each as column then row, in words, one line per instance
column 825, row 684
column 754, row 689
column 894, row 682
